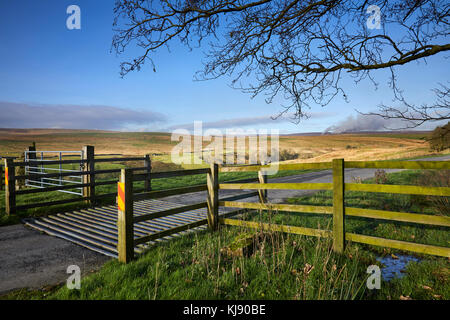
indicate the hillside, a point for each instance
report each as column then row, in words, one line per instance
column 310, row 147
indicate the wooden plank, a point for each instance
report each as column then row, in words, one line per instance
column 89, row 191
column 10, row 187
column 276, row 227
column 82, row 173
column 117, row 170
column 289, row 166
column 279, row 186
column 239, row 196
column 338, row 206
column 50, row 203
column 262, row 193
column 279, row 207
column 120, row 159
column 393, row 164
column 169, row 192
column 48, row 189
column 152, row 206
column 179, row 173
column 399, row 189
column 167, row 212
column 52, row 175
column 179, row 215
column 105, row 195
column 125, row 241
column 103, row 183
column 212, row 181
column 140, row 177
column 398, row 216
column 32, row 157
column 401, row 245
column 256, row 180
column 148, row 180
column 102, row 171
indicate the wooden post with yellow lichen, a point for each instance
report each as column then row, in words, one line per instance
column 212, row 180
column 338, row 206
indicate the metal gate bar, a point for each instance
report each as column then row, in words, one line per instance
column 42, row 169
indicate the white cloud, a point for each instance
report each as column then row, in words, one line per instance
column 23, row 115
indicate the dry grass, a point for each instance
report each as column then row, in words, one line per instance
column 354, row 147
column 310, row 148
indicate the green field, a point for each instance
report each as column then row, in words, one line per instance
column 283, row 266
column 157, row 184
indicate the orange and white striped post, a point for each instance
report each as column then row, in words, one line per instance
column 6, row 176
column 10, row 187
column 125, row 240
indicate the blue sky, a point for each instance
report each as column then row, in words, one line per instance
column 72, row 74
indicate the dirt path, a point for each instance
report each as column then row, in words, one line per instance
column 31, row 259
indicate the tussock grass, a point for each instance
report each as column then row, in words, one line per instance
column 192, row 267
column 283, row 266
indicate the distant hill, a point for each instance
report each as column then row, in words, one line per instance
column 393, row 132
column 45, row 131
column 310, row 146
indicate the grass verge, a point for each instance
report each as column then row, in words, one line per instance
column 282, row 266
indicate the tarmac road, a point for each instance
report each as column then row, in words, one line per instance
column 279, row 196
column 30, row 259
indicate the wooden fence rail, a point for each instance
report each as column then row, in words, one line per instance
column 126, row 196
column 338, row 210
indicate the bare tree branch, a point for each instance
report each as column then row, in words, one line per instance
column 414, row 116
column 299, row 50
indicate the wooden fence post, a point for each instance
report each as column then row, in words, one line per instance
column 31, row 157
column 338, row 206
column 212, row 180
column 148, row 181
column 89, row 165
column 1, row 177
column 262, row 193
column 10, row 186
column 125, row 241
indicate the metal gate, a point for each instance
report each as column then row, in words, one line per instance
column 41, row 168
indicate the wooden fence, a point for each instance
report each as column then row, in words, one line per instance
column 126, row 195
column 88, row 173
column 339, row 210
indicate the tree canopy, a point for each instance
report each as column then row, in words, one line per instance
column 299, row 50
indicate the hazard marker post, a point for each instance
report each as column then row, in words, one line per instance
column 10, row 187
column 125, row 243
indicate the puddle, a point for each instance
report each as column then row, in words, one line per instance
column 393, row 267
